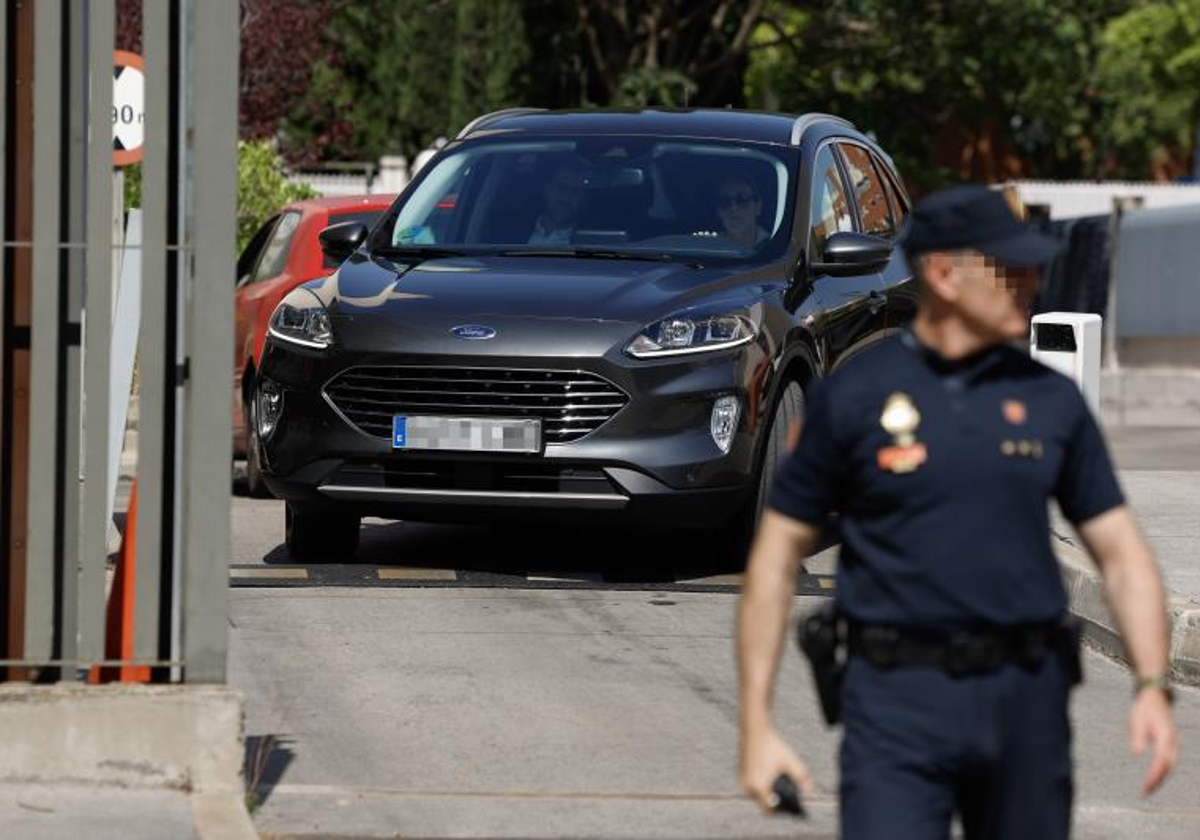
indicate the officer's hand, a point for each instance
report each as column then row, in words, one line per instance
column 765, row 756
column 1151, row 722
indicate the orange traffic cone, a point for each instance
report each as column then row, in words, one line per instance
column 119, row 618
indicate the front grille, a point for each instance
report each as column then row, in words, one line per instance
column 570, row 404
column 522, row 476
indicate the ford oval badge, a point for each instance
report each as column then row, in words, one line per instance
column 473, row 332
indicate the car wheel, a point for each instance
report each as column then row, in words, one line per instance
column 788, row 411
column 256, row 488
column 315, row 534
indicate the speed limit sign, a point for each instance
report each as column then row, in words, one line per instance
column 128, row 112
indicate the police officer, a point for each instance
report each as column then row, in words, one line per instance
column 939, row 449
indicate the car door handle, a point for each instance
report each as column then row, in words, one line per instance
column 876, row 301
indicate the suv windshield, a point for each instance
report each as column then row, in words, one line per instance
column 617, row 195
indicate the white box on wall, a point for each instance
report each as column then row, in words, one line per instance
column 1069, row 342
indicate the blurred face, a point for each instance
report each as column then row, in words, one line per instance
column 993, row 299
column 738, row 206
column 563, row 197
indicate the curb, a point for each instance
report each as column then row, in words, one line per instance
column 222, row 816
column 185, row 738
column 1085, row 591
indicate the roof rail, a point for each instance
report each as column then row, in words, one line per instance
column 481, row 121
column 806, row 121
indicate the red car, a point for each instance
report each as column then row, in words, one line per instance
column 283, row 253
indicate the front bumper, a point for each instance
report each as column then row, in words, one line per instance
column 655, row 459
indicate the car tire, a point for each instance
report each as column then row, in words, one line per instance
column 316, row 534
column 788, row 411
column 256, row 488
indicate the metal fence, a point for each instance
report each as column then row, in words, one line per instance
column 332, row 184
column 390, row 174
column 1078, row 279
column 1158, row 273
column 56, row 79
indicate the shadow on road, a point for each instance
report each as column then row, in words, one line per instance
column 607, row 550
column 266, row 760
column 617, row 554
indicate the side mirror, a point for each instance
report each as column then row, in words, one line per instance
column 341, row 240
column 848, row 252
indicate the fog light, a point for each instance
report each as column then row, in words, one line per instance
column 269, row 407
column 724, row 422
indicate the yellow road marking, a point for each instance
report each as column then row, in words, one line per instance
column 403, row 573
column 266, row 572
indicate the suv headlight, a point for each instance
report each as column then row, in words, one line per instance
column 301, row 318
column 695, row 332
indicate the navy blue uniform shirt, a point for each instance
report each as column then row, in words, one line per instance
column 943, row 513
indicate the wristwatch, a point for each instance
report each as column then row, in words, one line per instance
column 1160, row 681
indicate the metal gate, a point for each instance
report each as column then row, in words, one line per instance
column 56, row 80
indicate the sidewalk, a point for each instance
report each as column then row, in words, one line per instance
column 60, row 812
column 127, row 761
column 1160, row 473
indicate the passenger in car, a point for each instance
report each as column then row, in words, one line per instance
column 562, row 201
column 738, row 207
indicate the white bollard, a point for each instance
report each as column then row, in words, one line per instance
column 1069, row 342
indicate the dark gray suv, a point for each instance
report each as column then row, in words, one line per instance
column 596, row 313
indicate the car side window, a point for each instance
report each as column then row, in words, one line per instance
column 830, row 208
column 895, row 196
column 275, row 255
column 869, row 191
column 249, row 256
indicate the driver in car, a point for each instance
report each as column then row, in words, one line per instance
column 562, row 201
column 738, row 207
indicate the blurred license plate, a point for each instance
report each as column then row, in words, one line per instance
column 470, row 434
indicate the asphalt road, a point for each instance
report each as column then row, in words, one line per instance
column 463, row 682
column 464, row 712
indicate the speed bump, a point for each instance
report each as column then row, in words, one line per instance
column 367, row 575
column 268, row 572
column 405, row 573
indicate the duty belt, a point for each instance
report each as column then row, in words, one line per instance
column 973, row 651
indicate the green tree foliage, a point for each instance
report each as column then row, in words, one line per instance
column 983, row 90
column 1149, row 80
column 133, row 185
column 398, row 73
column 980, row 90
column 666, row 52
column 382, row 86
column 491, row 61
column 644, row 86
column 262, row 188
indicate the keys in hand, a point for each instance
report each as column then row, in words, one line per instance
column 786, row 797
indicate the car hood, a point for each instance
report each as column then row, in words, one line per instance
column 536, row 305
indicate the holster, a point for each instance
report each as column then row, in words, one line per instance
column 821, row 635
column 1070, row 642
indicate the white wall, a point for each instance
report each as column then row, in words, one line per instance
column 1073, row 199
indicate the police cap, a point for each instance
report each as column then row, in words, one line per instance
column 974, row 218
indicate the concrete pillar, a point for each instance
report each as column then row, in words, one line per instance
column 393, row 174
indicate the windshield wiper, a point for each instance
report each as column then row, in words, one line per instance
column 588, row 254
